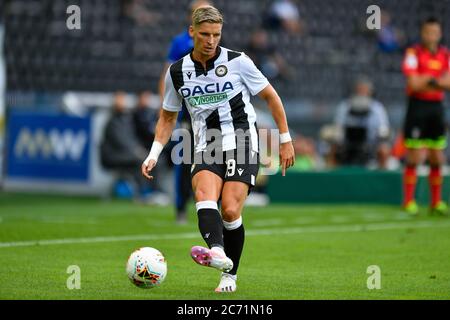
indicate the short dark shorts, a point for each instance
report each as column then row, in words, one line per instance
column 425, row 125
column 230, row 165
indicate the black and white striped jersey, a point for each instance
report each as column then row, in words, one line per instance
column 217, row 97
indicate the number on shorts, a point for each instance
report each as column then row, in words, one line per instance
column 231, row 167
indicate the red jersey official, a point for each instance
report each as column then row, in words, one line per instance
column 419, row 60
column 427, row 70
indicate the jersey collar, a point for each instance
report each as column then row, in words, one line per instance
column 209, row 64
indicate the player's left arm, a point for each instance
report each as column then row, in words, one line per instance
column 287, row 155
column 443, row 82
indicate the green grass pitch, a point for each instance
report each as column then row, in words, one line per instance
column 291, row 252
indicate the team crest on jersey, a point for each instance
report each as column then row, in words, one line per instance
column 221, row 71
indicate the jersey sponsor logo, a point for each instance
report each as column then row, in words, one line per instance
column 240, row 171
column 208, row 99
column 189, row 74
column 208, row 94
column 221, row 71
column 207, row 89
column 434, row 65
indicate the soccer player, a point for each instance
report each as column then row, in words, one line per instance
column 181, row 45
column 215, row 83
column 427, row 70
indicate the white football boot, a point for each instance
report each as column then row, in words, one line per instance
column 227, row 283
column 214, row 257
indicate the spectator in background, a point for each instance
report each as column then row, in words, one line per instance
column 144, row 119
column 284, row 15
column 327, row 145
column 363, row 128
column 390, row 39
column 137, row 12
column 122, row 152
column 265, row 57
column 306, row 155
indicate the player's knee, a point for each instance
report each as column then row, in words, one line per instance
column 436, row 158
column 437, row 162
column 413, row 159
column 200, row 195
column 230, row 212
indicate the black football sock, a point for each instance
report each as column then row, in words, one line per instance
column 210, row 223
column 233, row 238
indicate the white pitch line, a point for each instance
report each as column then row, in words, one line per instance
column 267, row 222
column 257, row 232
column 174, row 236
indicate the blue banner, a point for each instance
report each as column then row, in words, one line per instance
column 47, row 146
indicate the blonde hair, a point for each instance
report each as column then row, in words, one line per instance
column 206, row 14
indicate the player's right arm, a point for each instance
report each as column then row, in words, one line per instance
column 164, row 128
column 161, row 84
column 444, row 81
column 165, row 125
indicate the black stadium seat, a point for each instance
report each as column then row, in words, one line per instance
column 110, row 52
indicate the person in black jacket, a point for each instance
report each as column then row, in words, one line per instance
column 144, row 119
column 121, row 150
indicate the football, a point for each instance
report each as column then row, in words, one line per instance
column 146, row 267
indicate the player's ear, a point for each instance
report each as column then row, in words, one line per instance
column 191, row 31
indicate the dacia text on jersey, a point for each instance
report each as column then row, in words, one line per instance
column 210, row 93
